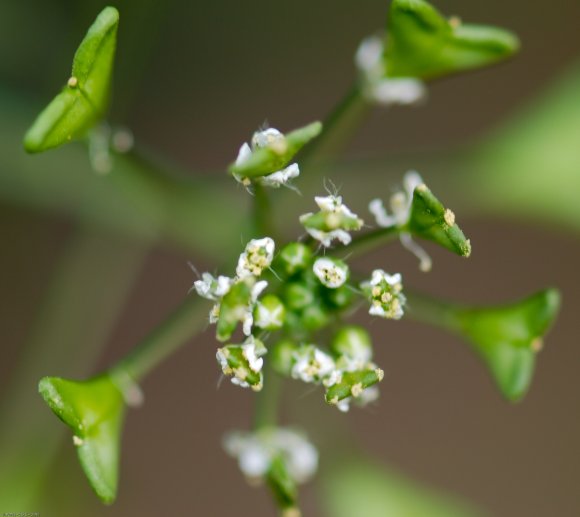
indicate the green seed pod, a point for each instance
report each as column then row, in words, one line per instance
column 353, row 384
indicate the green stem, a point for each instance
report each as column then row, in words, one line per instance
column 262, row 214
column 433, row 311
column 266, row 409
column 370, row 240
column 187, row 320
column 338, row 127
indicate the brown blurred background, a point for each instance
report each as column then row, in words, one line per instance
column 193, row 80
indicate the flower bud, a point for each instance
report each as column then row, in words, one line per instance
column 269, row 313
column 294, row 257
column 282, row 356
column 352, row 344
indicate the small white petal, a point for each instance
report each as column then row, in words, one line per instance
column 243, row 154
column 403, row 91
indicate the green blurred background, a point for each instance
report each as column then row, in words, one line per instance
column 192, row 81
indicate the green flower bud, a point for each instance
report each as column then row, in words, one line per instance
column 339, row 298
column 294, row 257
column 282, row 356
column 298, row 295
column 354, row 343
column 269, row 313
column 315, row 317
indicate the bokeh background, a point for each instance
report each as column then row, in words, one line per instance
column 193, row 79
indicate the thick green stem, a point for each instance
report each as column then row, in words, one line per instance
column 187, row 320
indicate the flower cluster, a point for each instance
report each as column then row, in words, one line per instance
column 256, row 453
column 236, row 300
column 346, row 371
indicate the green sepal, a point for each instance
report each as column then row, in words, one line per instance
column 430, row 220
column 84, row 99
column 344, row 389
column 94, row 410
column 507, row 338
column 269, row 313
column 272, row 159
column 281, row 483
column 423, row 44
column 233, row 307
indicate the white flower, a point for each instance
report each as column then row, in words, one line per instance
column 386, row 295
column 243, row 363
column 369, row 59
column 312, row 364
column 326, row 238
column 256, row 451
column 281, row 177
column 248, row 315
column 257, row 256
column 332, row 222
column 331, row 273
column 251, row 355
column 400, row 204
column 276, row 141
column 212, row 288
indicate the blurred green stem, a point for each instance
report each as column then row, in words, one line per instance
column 185, row 322
column 262, row 215
column 433, row 311
column 338, row 127
column 267, row 400
column 367, row 242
